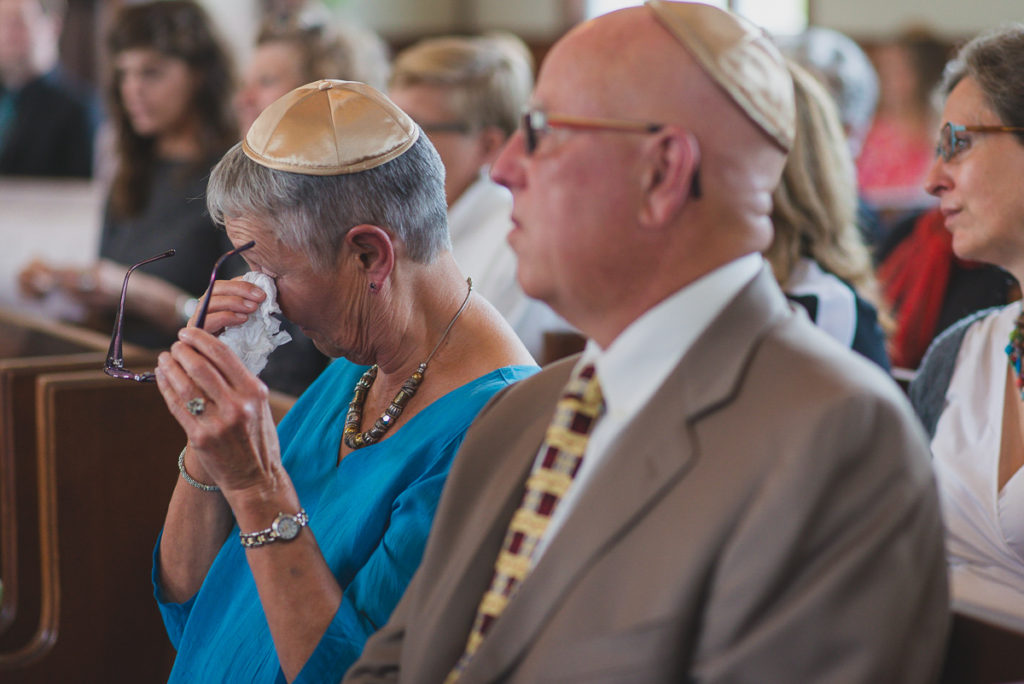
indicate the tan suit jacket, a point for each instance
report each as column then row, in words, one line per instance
column 770, row 517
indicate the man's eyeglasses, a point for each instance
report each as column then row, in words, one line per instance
column 536, row 123
column 114, row 365
column 951, row 143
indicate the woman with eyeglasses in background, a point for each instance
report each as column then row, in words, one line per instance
column 969, row 390
column 170, row 103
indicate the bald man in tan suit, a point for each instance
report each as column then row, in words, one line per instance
column 754, row 503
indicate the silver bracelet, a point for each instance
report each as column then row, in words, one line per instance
column 188, row 478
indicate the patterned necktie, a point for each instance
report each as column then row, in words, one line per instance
column 558, row 460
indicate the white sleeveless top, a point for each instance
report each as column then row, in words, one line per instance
column 984, row 527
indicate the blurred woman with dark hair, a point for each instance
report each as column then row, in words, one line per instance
column 170, row 100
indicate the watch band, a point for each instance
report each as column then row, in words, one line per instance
column 284, row 528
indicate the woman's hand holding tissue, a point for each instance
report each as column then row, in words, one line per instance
column 231, row 304
column 261, row 333
column 242, row 312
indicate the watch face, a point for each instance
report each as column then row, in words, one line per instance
column 286, row 527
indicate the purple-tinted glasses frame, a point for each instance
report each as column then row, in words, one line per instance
column 114, row 365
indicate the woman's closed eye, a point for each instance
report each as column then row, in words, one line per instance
column 256, row 267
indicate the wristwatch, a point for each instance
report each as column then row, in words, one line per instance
column 284, row 528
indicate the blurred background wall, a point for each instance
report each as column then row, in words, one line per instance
column 540, row 22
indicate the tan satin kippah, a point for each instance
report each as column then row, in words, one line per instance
column 329, row 128
column 740, row 58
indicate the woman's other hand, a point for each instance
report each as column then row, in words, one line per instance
column 37, row 279
column 98, row 287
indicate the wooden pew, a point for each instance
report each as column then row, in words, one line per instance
column 87, row 464
column 982, row 652
column 107, row 463
column 28, row 347
column 560, row 343
column 106, row 468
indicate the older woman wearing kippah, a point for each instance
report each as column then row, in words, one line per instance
column 283, row 549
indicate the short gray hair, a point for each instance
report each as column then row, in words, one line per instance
column 994, row 60
column 312, row 214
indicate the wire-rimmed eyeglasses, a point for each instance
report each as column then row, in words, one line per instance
column 951, row 144
column 114, row 365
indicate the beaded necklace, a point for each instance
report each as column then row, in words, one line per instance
column 355, row 439
column 1015, row 350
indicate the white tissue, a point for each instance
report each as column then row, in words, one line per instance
column 261, row 333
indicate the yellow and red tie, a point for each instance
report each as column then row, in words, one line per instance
column 560, row 455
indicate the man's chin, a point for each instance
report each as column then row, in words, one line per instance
column 535, row 288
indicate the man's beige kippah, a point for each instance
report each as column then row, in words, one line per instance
column 740, row 58
column 328, row 128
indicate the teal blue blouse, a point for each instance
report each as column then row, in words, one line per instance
column 371, row 515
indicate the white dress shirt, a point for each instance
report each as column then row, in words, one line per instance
column 640, row 360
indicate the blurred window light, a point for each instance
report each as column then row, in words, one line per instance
column 775, row 16
column 786, row 17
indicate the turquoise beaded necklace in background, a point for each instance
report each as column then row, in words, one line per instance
column 1015, row 350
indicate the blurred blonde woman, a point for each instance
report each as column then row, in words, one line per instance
column 467, row 94
column 818, row 255
column 287, row 56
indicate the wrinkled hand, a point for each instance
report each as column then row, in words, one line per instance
column 37, row 279
column 231, row 303
column 234, row 439
column 96, row 286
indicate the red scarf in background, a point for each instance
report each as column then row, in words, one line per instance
column 914, row 278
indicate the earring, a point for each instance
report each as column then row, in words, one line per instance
column 373, row 287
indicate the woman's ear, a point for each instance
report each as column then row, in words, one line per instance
column 374, row 249
column 672, row 175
